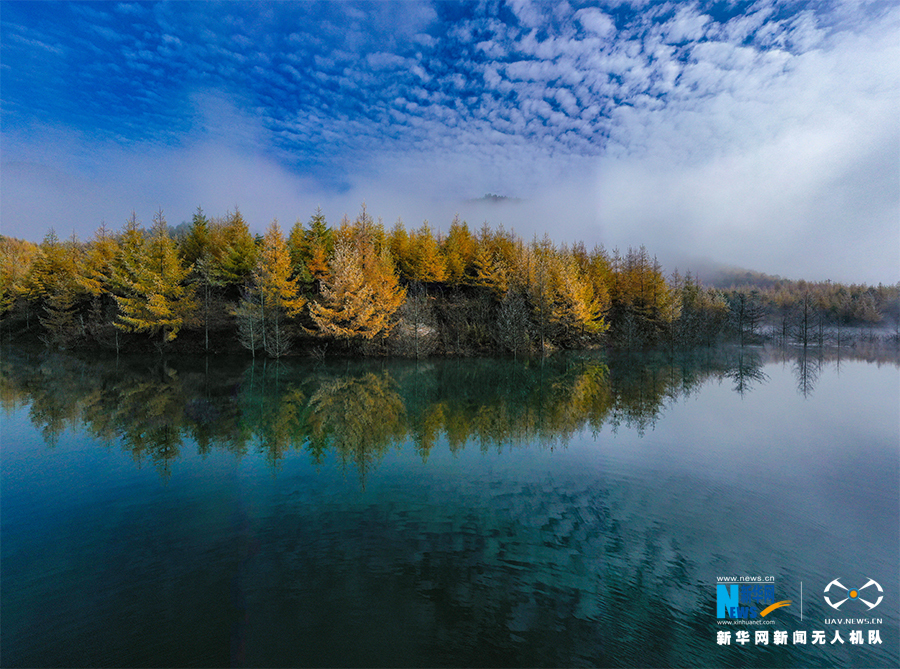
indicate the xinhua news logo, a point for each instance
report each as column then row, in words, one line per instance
column 746, row 601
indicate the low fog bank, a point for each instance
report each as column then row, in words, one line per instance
column 770, row 214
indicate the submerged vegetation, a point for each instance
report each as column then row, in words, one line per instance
column 360, row 288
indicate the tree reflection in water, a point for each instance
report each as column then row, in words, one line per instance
column 359, row 410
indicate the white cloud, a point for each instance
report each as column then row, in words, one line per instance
column 567, row 101
column 686, row 25
column 798, row 176
column 803, row 33
column 382, row 61
column 596, row 21
column 527, row 12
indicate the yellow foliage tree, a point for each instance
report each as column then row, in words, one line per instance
column 16, row 257
column 459, row 250
column 576, row 306
column 310, row 248
column 271, row 297
column 361, row 294
column 96, row 278
column 490, row 272
column 401, row 250
column 493, row 261
column 152, row 297
column 429, row 264
column 52, row 282
column 98, row 262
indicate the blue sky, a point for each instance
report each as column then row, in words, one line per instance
column 758, row 134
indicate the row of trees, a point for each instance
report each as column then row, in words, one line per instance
column 815, row 313
column 364, row 287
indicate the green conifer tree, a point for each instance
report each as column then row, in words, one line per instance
column 153, row 295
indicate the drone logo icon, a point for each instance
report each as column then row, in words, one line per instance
column 852, row 593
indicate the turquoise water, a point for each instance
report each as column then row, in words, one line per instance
column 454, row 513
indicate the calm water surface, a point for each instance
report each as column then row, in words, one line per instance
column 454, row 513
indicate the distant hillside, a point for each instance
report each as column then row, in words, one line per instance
column 724, row 278
column 738, row 277
column 495, row 199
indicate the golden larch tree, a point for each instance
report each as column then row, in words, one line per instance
column 16, row 256
column 429, row 264
column 271, row 298
column 361, row 294
column 459, row 250
column 151, row 281
column 53, row 283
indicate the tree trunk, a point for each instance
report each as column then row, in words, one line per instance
column 206, row 317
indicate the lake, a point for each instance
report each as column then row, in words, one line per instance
column 584, row 510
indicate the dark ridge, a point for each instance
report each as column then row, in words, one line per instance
column 495, row 199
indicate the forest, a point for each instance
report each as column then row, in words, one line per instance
column 211, row 286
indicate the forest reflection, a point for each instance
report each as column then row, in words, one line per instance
column 358, row 410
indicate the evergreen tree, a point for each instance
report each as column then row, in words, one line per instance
column 238, row 250
column 316, row 248
column 297, row 248
column 154, row 297
column 196, row 244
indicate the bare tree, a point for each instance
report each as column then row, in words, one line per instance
column 513, row 324
column 416, row 333
column 249, row 315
